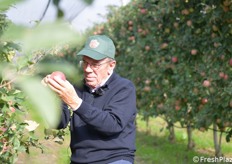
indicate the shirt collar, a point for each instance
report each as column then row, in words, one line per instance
column 102, row 83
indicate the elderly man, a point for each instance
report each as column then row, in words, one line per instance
column 102, row 123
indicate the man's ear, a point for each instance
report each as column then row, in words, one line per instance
column 111, row 66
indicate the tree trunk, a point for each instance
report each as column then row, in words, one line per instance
column 148, row 128
column 172, row 137
column 191, row 143
column 217, row 142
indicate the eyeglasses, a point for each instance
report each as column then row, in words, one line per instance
column 92, row 66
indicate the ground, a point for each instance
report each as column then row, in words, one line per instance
column 50, row 155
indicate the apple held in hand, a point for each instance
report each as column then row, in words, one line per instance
column 58, row 74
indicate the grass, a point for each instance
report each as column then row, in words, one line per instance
column 152, row 145
column 64, row 153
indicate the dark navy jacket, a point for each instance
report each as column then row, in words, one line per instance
column 103, row 127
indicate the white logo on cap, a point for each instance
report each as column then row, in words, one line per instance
column 94, row 43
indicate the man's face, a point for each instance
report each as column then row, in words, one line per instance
column 96, row 71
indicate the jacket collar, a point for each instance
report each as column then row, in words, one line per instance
column 100, row 90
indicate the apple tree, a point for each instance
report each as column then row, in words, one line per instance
column 24, row 101
column 16, row 135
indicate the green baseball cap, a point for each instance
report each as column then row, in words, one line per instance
column 98, row 47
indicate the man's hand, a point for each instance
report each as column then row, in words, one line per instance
column 65, row 91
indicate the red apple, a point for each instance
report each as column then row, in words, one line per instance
column 185, row 12
column 148, row 81
column 226, row 77
column 222, row 75
column 147, row 89
column 164, row 45
column 206, row 83
column 193, row 51
column 2, row 129
column 12, row 109
column 147, row 48
column 130, row 23
column 131, row 38
column 189, row 23
column 177, row 107
column 58, row 74
column 230, row 62
column 130, row 28
column 204, row 100
column 140, row 30
column 143, row 11
column 174, row 59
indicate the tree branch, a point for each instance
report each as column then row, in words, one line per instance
column 45, row 11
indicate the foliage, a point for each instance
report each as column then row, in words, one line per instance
column 17, row 134
column 60, row 12
column 178, row 54
column 4, row 4
column 21, row 92
column 14, row 136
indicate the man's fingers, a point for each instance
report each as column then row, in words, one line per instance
column 54, row 89
column 43, row 82
column 54, row 84
column 59, row 81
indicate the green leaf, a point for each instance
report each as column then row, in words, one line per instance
column 88, row 2
column 5, row 4
column 43, row 36
column 42, row 100
column 7, row 98
column 16, row 143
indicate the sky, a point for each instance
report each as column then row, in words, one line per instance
column 29, row 11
